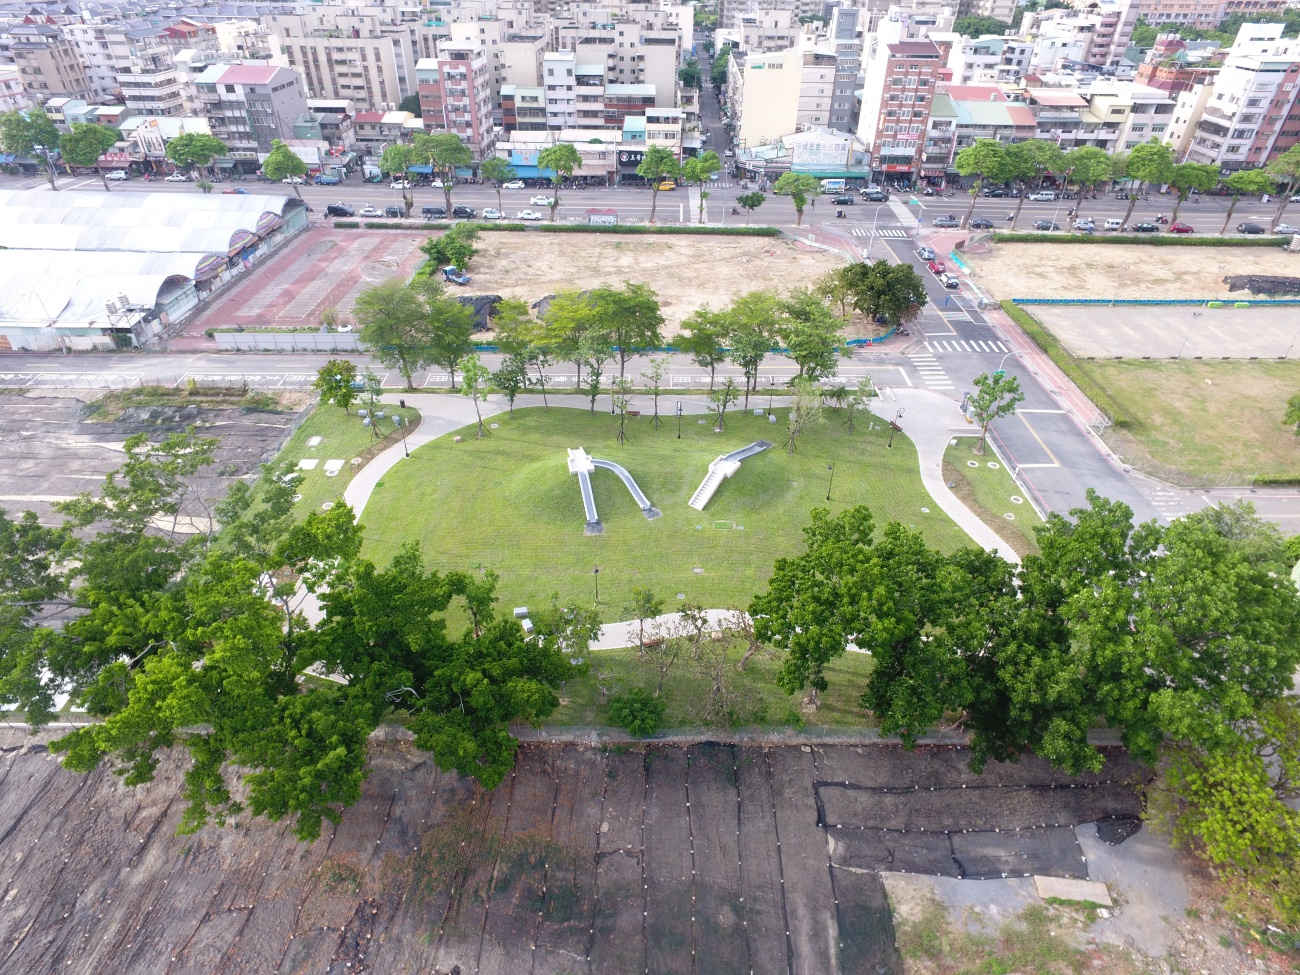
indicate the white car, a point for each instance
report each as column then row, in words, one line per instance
column 514, row 184
column 1286, row 228
column 492, row 213
column 291, row 180
column 438, row 184
column 528, row 215
column 1295, row 199
column 117, row 176
column 541, row 201
column 371, row 212
column 714, row 177
column 177, row 178
column 401, row 184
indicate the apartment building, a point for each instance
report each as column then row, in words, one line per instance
column 899, row 116
column 522, row 54
column 962, row 114
column 627, row 53
column 844, row 35
column 1002, row 10
column 990, row 60
column 13, row 96
column 1175, row 76
column 1252, row 114
column 247, row 106
column 773, row 95
column 367, row 71
column 1188, row 110
column 147, row 74
column 48, row 63
column 456, row 95
column 1205, row 14
column 91, row 42
column 523, row 108
column 769, row 30
column 559, row 69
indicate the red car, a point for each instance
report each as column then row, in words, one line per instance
column 1178, row 227
column 937, row 267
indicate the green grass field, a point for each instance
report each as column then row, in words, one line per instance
column 988, row 491
column 508, row 503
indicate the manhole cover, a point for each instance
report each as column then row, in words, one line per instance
column 994, row 465
column 1009, row 516
column 925, row 511
column 327, row 505
column 1017, row 499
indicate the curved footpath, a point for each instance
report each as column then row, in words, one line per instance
column 930, row 422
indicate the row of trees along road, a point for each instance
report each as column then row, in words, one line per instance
column 1183, row 639
column 1026, row 165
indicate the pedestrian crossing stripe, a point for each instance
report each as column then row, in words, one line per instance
column 966, row 345
column 895, row 234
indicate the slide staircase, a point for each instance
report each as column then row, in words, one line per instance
column 722, row 468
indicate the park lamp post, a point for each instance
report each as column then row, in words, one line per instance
column 679, row 419
column 1196, row 315
column 771, row 390
column 894, row 427
column 830, row 467
column 399, row 421
column 595, row 574
column 872, row 239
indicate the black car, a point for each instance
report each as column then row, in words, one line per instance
column 465, row 213
column 1046, row 225
column 875, row 196
column 1250, row 228
column 393, row 211
column 433, row 213
column 1145, row 228
column 996, row 191
column 981, row 223
column 844, row 200
column 339, row 210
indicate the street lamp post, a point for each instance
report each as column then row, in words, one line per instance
column 894, row 427
column 998, row 371
column 1190, row 328
column 831, row 482
column 400, row 422
column 771, row 391
column 595, row 574
column 679, row 419
column 872, row 239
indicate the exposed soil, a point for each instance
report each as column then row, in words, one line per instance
column 1122, row 270
column 708, row 858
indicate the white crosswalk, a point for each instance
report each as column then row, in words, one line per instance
column 891, row 232
column 1170, row 504
column 931, row 372
column 965, row 345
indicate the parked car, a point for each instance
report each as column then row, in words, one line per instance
column 1085, row 225
column 401, row 184
column 339, row 210
column 235, row 191
column 1046, row 225
column 449, row 273
column 926, row 253
column 1043, row 196
column 177, row 178
column 981, row 223
column 1250, row 228
column 541, row 201
column 843, row 200
column 949, row 281
column 514, row 184
column 1113, row 223
column 438, row 184
column 996, row 191
column 433, row 213
column 117, row 176
column 394, row 212
column 1295, row 199
column 1286, row 228
column 937, row 266
column 492, row 213
column 947, row 222
column 1145, row 228
column 465, row 213
column 1178, row 227
column 665, row 186
column 528, row 215
column 293, row 181
column 714, row 177
column 369, row 211
column 875, row 196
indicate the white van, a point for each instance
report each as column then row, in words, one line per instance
column 1045, row 196
column 1114, row 223
column 832, row 185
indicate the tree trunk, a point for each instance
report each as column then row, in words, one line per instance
column 446, row 192
column 1024, row 192
column 974, row 197
column 49, row 173
column 654, row 201
column 298, row 193
column 713, row 372
column 1078, row 204
column 498, row 198
column 541, row 381
column 452, row 369
column 813, row 700
column 1173, row 219
column 1286, row 198
column 1132, row 202
column 798, row 211
column 480, row 418
column 103, row 178
column 1232, row 206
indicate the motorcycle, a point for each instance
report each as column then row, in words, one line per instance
column 735, row 212
column 839, row 213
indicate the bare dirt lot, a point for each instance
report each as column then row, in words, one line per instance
column 687, row 272
column 664, row 858
column 1121, row 270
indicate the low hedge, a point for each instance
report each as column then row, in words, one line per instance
column 1156, row 240
column 1068, row 364
column 1277, row 480
column 579, row 228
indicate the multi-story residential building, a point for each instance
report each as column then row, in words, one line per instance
column 332, row 120
column 559, row 70
column 1252, row 114
column 522, row 54
column 523, row 109
column 1142, row 113
column 148, row 136
column 1205, row 14
column 777, row 94
column 247, row 106
column 961, row 114
column 13, row 97
column 732, row 12
column 844, row 34
column 899, row 117
column 1002, row 10
column 1175, row 75
column 374, row 130
column 768, row 30
column 367, row 71
column 628, row 54
column 489, row 34
column 990, row 60
column 48, row 63
column 146, row 73
column 1188, row 110
column 456, row 95
column 92, row 45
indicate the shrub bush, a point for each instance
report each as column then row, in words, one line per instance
column 1067, row 363
column 1156, row 240
column 638, row 711
column 576, row 228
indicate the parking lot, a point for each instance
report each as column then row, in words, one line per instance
column 1173, row 331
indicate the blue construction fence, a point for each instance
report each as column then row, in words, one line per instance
column 1206, row 302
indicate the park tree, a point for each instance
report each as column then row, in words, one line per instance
column 857, row 401
column 703, row 338
column 397, row 160
column 449, row 325
column 334, row 380
column 283, row 163
column 195, row 150
column 620, row 398
column 632, row 318
column 894, row 291
column 638, row 712
column 698, row 170
column 30, row 134
column 718, row 74
column 522, row 338
column 983, row 159
column 996, row 395
column 36, row 588
column 498, row 172
column 1286, row 170
column 511, row 377
column 594, row 352
column 563, row 161
column 812, row 334
column 689, row 74
column 749, row 335
column 1292, row 415
column 1028, row 162
column 395, row 327
column 800, row 189
column 574, row 330
column 806, row 411
column 643, row 605
column 654, row 378
column 1148, row 163
column 1251, row 182
column 475, row 383
column 444, row 153
column 85, row 144
column 454, row 247
column 749, row 202
column 1187, row 177
column 1087, row 167
column 721, row 398
column 657, row 165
